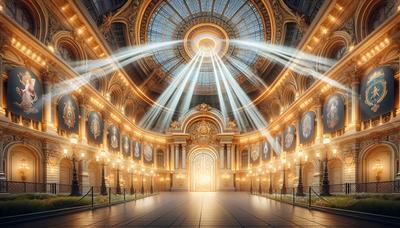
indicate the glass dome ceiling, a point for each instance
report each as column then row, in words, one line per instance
column 239, row 18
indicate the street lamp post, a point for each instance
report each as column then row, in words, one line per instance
column 300, row 189
column 131, row 171
column 75, row 191
column 325, row 178
column 151, row 181
column 283, row 190
column 251, row 181
column 142, row 187
column 103, row 187
column 259, row 181
column 270, row 191
column 118, row 187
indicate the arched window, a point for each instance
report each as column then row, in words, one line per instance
column 290, row 98
column 21, row 14
column 379, row 14
column 309, row 82
column 337, row 52
column 66, row 53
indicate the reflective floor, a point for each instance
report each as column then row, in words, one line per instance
column 224, row 209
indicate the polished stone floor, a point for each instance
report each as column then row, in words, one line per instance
column 223, row 209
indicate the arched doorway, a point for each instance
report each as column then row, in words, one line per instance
column 94, row 172
column 378, row 164
column 202, row 171
column 23, row 164
column 65, row 175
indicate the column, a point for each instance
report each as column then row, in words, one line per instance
column 172, row 152
column 183, row 156
column 355, row 106
column 398, row 92
column 82, row 122
column 48, row 121
column 2, row 105
column 84, row 175
column 168, row 164
column 229, row 156
column 320, row 125
column 105, row 131
column 221, row 155
column 176, row 156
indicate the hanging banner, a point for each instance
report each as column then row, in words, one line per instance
column 137, row 154
column 307, row 125
column 333, row 113
column 265, row 151
column 148, row 153
column 277, row 145
column 68, row 114
column 126, row 145
column 95, row 128
column 255, row 154
column 289, row 137
column 377, row 93
column 113, row 138
column 24, row 94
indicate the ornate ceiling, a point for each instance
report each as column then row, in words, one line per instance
column 126, row 23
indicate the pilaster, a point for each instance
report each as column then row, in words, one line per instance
column 48, row 122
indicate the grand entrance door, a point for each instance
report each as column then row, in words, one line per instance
column 202, row 172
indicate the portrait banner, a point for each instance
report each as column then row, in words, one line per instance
column 334, row 113
column 68, row 114
column 255, row 154
column 265, row 151
column 95, row 128
column 289, row 137
column 24, row 94
column 307, row 127
column 113, row 138
column 126, row 145
column 377, row 93
column 148, row 153
column 137, row 153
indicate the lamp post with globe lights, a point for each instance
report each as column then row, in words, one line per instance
column 103, row 158
column 75, row 191
column 325, row 178
column 300, row 187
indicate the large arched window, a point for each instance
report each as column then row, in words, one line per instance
column 379, row 14
column 337, row 51
column 21, row 14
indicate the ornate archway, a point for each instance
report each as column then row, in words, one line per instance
column 202, row 167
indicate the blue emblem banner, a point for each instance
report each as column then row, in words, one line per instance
column 307, row 127
column 24, row 94
column 95, row 128
column 113, row 138
column 377, row 93
column 334, row 113
column 289, row 137
column 68, row 114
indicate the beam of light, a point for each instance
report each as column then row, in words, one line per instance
column 67, row 86
column 89, row 70
column 245, row 69
column 232, row 100
column 121, row 55
column 257, row 120
column 176, row 97
column 192, row 86
column 156, row 111
column 219, row 90
column 293, row 59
